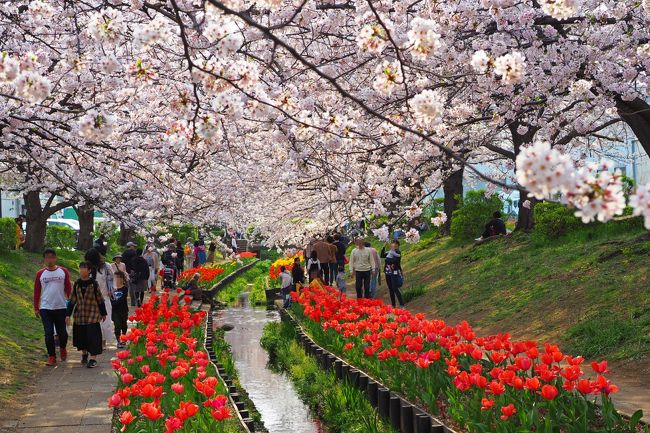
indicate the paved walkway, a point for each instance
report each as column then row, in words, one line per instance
column 69, row 398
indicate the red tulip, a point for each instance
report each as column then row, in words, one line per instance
column 422, row 362
column 532, row 383
column 600, row 367
column 177, row 388
column 172, row 424
column 508, row 411
column 486, row 403
column 549, row 392
column 221, row 413
column 126, row 418
column 114, row 400
column 123, row 354
column 584, row 386
column 127, row 378
column 496, row 388
column 151, row 411
column 523, row 363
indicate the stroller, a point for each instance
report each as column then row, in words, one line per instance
column 169, row 276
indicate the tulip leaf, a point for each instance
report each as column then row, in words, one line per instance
column 635, row 418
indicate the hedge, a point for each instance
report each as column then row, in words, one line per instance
column 7, row 234
column 475, row 211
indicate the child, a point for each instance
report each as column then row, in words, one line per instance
column 87, row 309
column 313, row 266
column 120, row 307
column 340, row 279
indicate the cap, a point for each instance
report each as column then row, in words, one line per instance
column 116, row 256
column 131, row 244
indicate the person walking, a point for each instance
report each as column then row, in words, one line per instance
column 333, row 268
column 88, row 310
column 119, row 305
column 153, row 261
column 361, row 268
column 323, row 252
column 106, row 286
column 140, row 277
column 100, row 244
column 374, row 277
column 52, row 288
column 393, row 271
column 285, row 286
column 188, row 253
column 180, row 257
column 127, row 258
column 313, row 266
column 212, row 249
column 340, row 251
column 20, row 233
column 201, row 254
column 297, row 274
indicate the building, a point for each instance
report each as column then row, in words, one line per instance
column 12, row 204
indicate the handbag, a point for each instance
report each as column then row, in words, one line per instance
column 400, row 280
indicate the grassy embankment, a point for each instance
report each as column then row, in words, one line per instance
column 22, row 350
column 588, row 291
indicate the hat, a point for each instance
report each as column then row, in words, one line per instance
column 131, row 244
column 116, row 256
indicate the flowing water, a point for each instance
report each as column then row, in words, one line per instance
column 272, row 393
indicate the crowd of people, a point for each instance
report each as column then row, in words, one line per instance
column 98, row 301
column 327, row 261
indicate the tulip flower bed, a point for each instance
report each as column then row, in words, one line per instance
column 480, row 384
column 166, row 382
column 287, row 262
column 212, row 274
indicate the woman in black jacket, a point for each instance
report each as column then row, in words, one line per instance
column 297, row 273
column 393, row 271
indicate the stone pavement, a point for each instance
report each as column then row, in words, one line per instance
column 69, row 398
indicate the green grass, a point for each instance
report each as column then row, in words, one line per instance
column 252, row 281
column 22, row 349
column 587, row 291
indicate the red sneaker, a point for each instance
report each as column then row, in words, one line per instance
column 64, row 354
column 51, row 361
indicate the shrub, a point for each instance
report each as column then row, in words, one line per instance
column 60, row 237
column 7, row 234
column 472, row 215
column 553, row 220
column 182, row 232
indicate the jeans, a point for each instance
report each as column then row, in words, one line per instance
column 120, row 317
column 373, row 284
column 334, row 271
column 393, row 290
column 362, row 279
column 52, row 319
column 132, row 294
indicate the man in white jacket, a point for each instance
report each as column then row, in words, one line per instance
column 362, row 266
column 285, row 286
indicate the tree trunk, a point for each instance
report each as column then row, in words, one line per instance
column 36, row 223
column 525, row 221
column 86, row 214
column 453, row 190
column 36, row 217
column 636, row 114
column 127, row 234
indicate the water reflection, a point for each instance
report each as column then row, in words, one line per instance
column 273, row 394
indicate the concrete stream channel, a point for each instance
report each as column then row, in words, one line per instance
column 272, row 393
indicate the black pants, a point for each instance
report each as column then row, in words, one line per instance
column 362, row 278
column 52, row 319
column 325, row 267
column 393, row 289
column 120, row 317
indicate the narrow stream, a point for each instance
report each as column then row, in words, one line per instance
column 273, row 394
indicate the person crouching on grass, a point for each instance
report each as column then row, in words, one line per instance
column 87, row 309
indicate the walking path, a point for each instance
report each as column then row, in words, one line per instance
column 68, row 398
